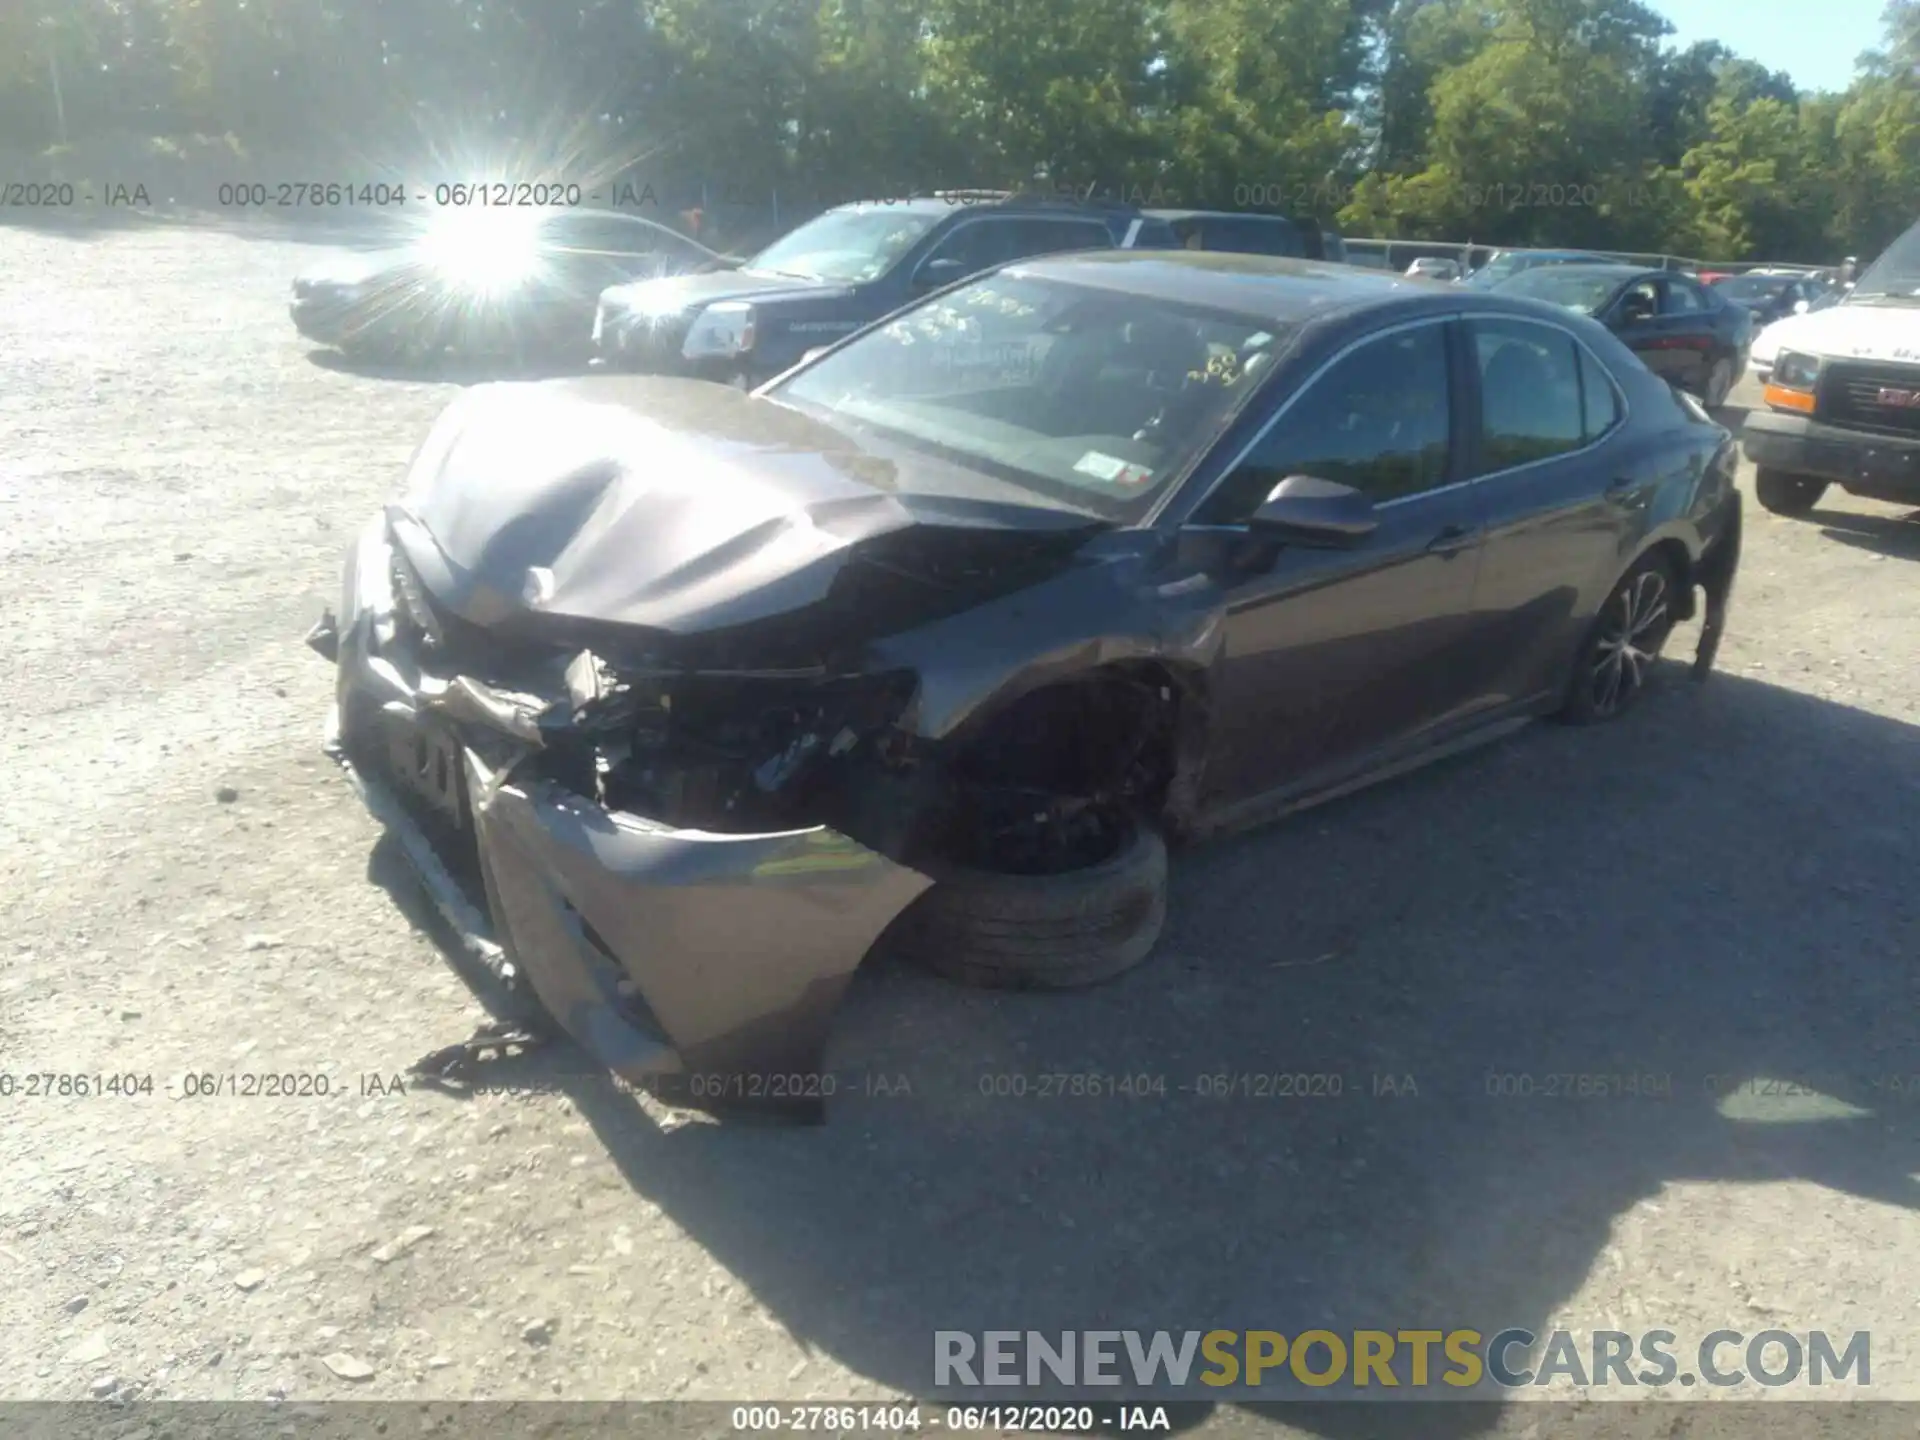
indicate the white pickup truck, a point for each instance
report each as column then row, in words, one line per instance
column 1841, row 387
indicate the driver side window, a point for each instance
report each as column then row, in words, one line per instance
column 976, row 244
column 1378, row 420
column 1639, row 301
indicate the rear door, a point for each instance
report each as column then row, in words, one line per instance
column 1557, row 493
column 1688, row 329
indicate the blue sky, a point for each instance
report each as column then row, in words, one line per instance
column 1815, row 44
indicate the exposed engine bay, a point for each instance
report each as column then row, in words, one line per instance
column 709, row 736
column 1042, row 788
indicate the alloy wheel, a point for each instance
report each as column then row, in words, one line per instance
column 1634, row 628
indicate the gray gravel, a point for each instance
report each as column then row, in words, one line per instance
column 1723, row 886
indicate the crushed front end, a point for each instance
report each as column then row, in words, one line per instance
column 646, row 845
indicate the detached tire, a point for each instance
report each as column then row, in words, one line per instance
column 1042, row 932
column 1785, row 494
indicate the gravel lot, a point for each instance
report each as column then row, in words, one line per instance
column 1723, row 886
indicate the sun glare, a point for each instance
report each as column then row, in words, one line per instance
column 485, row 250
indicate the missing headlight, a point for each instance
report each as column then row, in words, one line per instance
column 729, row 753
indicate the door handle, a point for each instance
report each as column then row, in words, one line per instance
column 1618, row 489
column 1450, row 541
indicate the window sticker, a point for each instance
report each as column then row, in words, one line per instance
column 1113, row 470
column 1100, row 466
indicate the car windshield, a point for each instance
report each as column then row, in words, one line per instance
column 1896, row 274
column 1080, row 398
column 1752, row 287
column 848, row 246
column 1564, row 285
column 1508, row 263
column 1499, row 268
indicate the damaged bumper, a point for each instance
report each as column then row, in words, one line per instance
column 695, row 963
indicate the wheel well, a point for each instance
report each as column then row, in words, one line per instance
column 1680, row 564
column 1120, row 730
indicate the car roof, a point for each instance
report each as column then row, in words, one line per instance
column 1259, row 286
column 590, row 212
column 935, row 205
column 1230, row 215
column 1609, row 269
column 626, row 217
column 1551, row 255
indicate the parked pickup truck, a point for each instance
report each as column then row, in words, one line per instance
column 839, row 273
column 1842, row 392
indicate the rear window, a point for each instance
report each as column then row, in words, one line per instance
column 1242, row 234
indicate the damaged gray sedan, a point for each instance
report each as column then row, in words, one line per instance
column 684, row 700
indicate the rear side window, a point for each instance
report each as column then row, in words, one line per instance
column 1044, row 236
column 1241, row 234
column 1600, row 406
column 1683, row 299
column 1530, row 402
column 1148, row 234
column 1251, row 236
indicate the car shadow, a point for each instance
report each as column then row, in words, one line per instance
column 453, row 368
column 1622, row 902
column 1896, row 535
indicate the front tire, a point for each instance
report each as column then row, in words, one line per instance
column 1616, row 660
column 1059, row 931
column 1785, row 494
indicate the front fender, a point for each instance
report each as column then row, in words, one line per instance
column 1108, row 610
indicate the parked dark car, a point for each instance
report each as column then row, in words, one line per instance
column 487, row 281
column 685, row 699
column 1503, row 265
column 1768, row 298
column 1681, row 329
column 839, row 272
column 1252, row 233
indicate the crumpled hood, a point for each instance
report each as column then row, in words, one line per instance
column 671, row 504
column 679, row 294
column 1847, row 331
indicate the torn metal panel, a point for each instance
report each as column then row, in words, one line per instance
column 660, row 949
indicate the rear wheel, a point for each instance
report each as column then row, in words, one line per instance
column 1616, row 660
column 1786, row 494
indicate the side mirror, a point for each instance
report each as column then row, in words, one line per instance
column 939, row 272
column 1304, row 510
column 1800, row 307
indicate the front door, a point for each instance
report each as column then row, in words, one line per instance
column 1334, row 656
